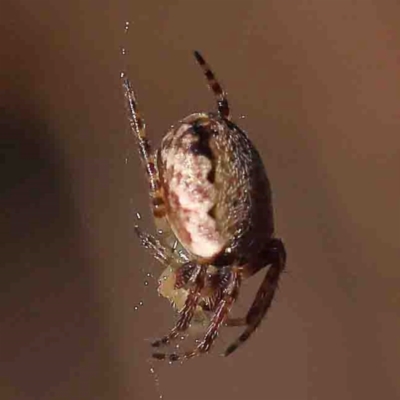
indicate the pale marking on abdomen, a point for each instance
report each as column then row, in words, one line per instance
column 191, row 196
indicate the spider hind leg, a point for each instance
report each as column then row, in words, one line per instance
column 276, row 257
column 214, row 85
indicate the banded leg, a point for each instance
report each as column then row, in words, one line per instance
column 222, row 310
column 147, row 156
column 214, row 85
column 277, row 259
column 196, row 283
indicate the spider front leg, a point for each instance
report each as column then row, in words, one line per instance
column 196, row 284
column 221, row 312
column 276, row 258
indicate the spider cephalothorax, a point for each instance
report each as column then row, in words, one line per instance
column 211, row 201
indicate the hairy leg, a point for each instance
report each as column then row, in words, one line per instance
column 221, row 312
column 147, row 155
column 163, row 254
column 196, row 283
column 276, row 257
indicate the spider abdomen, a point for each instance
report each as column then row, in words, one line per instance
column 216, row 190
column 187, row 163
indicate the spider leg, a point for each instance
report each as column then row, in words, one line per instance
column 265, row 294
column 147, row 155
column 196, row 283
column 184, row 275
column 161, row 253
column 214, row 85
column 221, row 312
column 246, row 272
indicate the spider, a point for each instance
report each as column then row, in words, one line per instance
column 211, row 201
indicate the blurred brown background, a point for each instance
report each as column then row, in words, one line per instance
column 319, row 85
